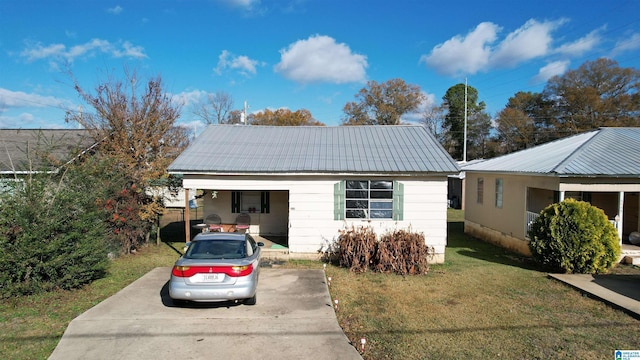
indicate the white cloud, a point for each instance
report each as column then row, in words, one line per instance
column 58, row 52
column 629, row 44
column 188, row 98
column 130, row 50
column 550, row 70
column 581, row 45
column 115, row 10
column 320, row 59
column 467, row 54
column 243, row 64
column 242, row 3
column 249, row 7
column 19, row 99
column 531, row 40
column 427, row 103
column 480, row 49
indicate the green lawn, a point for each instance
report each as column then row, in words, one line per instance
column 482, row 303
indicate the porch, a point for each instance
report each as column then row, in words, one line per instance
column 622, row 208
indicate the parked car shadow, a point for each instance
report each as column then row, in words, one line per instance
column 168, row 302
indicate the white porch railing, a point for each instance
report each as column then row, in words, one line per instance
column 531, row 217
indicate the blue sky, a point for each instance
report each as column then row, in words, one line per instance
column 298, row 54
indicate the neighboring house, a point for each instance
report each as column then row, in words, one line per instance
column 308, row 183
column 456, row 185
column 25, row 151
column 504, row 195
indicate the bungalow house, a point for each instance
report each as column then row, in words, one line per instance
column 307, row 183
column 505, row 194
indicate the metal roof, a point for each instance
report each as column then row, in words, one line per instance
column 602, row 152
column 30, row 150
column 314, row 149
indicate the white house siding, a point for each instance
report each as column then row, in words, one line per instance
column 311, row 207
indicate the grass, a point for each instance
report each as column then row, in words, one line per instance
column 482, row 303
column 31, row 326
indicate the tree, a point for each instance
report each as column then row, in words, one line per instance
column 478, row 122
column 524, row 122
column 598, row 93
column 382, row 104
column 432, row 118
column 216, row 109
column 284, row 117
column 137, row 132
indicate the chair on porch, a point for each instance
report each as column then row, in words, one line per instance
column 242, row 222
column 214, row 222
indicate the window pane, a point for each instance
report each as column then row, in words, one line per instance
column 498, row 193
column 382, row 184
column 357, row 204
column 357, row 194
column 381, row 214
column 353, row 184
column 382, row 194
column 356, row 214
column 381, row 205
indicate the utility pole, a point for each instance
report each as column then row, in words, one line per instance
column 464, row 147
column 244, row 113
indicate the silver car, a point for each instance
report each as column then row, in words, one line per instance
column 217, row 266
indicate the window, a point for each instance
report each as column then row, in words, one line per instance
column 499, row 193
column 250, row 202
column 480, row 191
column 369, row 199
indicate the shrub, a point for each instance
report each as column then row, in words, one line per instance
column 50, row 237
column 400, row 252
column 356, row 248
column 574, row 237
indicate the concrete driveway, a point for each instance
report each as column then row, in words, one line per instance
column 293, row 319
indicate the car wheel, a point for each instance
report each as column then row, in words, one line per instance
column 251, row 301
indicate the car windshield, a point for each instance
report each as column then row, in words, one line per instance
column 217, row 249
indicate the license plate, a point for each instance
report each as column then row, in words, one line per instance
column 215, row 277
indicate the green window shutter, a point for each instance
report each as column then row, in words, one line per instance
column 235, row 201
column 264, row 202
column 398, row 201
column 338, row 200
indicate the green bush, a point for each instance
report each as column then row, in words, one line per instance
column 51, row 235
column 574, row 237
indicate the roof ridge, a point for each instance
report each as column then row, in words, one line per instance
column 563, row 164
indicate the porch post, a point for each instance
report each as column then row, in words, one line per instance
column 561, row 196
column 620, row 214
column 187, row 220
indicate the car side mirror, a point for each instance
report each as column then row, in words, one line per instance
column 260, row 243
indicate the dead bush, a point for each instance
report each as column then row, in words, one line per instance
column 356, row 248
column 402, row 252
